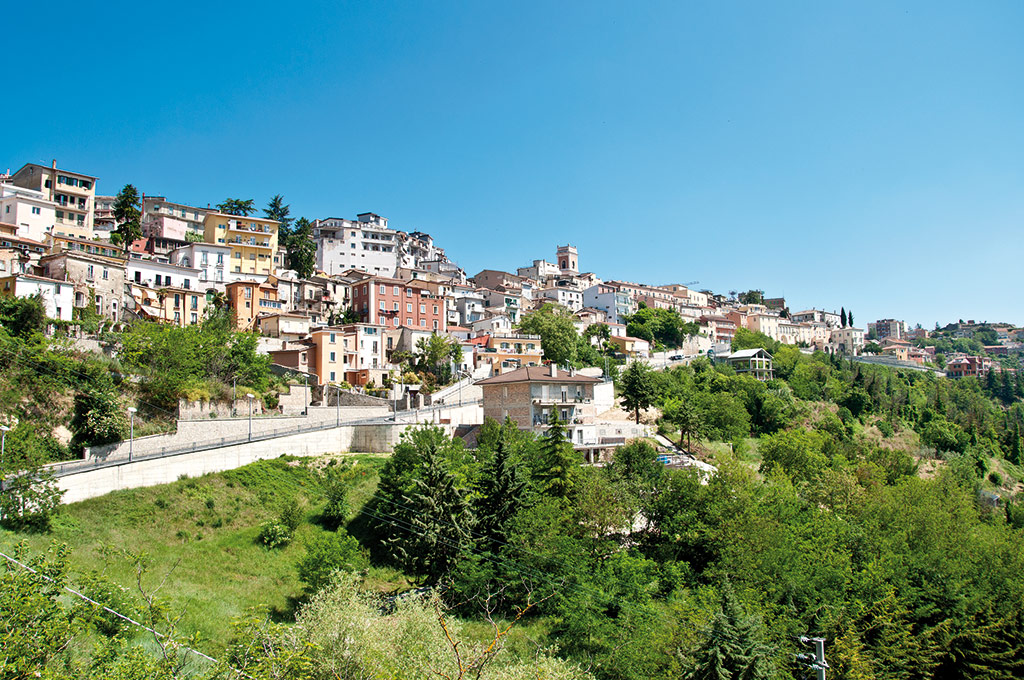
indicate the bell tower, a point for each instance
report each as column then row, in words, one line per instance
column 568, row 260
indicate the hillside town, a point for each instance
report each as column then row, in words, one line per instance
column 366, row 278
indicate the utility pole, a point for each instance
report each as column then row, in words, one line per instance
column 816, row 661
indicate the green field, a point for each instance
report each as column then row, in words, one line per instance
column 201, row 535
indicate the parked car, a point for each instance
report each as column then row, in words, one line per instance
column 676, row 357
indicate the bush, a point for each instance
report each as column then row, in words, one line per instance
column 886, row 428
column 274, row 535
column 291, row 515
column 326, row 554
column 995, row 478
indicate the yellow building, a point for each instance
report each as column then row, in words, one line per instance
column 180, row 306
column 253, row 241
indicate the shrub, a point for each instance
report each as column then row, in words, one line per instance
column 291, row 515
column 995, row 478
column 886, row 428
column 327, row 554
column 274, row 535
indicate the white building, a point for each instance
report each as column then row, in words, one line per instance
column 212, row 262
column 848, row 340
column 158, row 209
column 58, row 296
column 570, row 298
column 155, row 274
column 31, row 211
column 365, row 243
column 614, row 303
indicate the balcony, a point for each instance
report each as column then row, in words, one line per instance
column 252, row 243
column 561, row 399
column 235, row 225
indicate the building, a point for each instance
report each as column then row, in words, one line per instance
column 90, row 275
column 57, row 296
column 505, row 352
column 353, row 353
column 614, row 303
column 754, row 362
column 719, row 328
column 568, row 260
column 250, row 299
column 541, row 271
column 169, row 304
column 365, row 243
column 157, row 210
column 887, row 328
column 253, row 241
column 848, row 340
column 155, row 274
column 18, row 255
column 636, row 348
column 570, row 298
column 72, row 193
column 968, row 367
column 393, row 302
column 535, row 396
column 30, row 211
column 285, row 325
column 210, row 259
column 830, row 319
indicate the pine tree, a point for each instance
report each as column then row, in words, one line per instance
column 849, row 319
column 128, row 218
column 278, row 211
column 734, row 646
column 638, row 389
column 842, row 317
column 558, row 461
column 502, row 491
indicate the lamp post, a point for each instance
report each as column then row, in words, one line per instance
column 250, row 397
column 131, row 437
column 337, row 405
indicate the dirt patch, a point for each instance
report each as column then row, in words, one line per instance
column 618, row 414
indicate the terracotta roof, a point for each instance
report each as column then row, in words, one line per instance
column 537, row 374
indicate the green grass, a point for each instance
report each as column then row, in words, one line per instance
column 202, row 532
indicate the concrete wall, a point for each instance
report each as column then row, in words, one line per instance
column 378, row 437
column 202, row 431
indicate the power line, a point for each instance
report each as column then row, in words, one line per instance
column 115, row 613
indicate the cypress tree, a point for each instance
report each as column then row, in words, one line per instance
column 842, row 317
column 559, row 462
column 502, row 491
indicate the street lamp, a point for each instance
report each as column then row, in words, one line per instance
column 250, row 398
column 131, row 437
column 337, row 405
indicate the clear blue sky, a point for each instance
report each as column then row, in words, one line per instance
column 863, row 154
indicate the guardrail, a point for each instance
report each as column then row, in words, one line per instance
column 80, row 466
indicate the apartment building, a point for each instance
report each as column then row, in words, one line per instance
column 89, row 274
column 158, row 210
column 616, row 304
column 393, row 302
column 848, row 340
column 210, row 259
column 57, row 296
column 353, row 353
column 365, row 243
column 169, row 304
column 155, row 274
column 253, row 241
column 505, row 352
column 569, row 298
column 18, row 255
column 249, row 299
column 541, row 271
column 72, row 193
column 830, row 319
column 888, row 328
column 31, row 212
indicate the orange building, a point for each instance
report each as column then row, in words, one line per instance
column 249, row 299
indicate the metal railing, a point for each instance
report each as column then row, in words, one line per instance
column 80, row 466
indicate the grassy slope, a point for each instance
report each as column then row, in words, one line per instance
column 221, row 570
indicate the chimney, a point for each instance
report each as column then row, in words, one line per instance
column 572, row 371
column 554, row 369
column 54, row 165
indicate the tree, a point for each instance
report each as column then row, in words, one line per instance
column 193, row 237
column 554, row 324
column 23, row 316
column 301, row 248
column 558, row 462
column 734, row 646
column 128, row 216
column 277, row 210
column 752, row 297
column 687, row 415
column 99, row 418
column 842, row 316
column 237, row 206
column 849, row 319
column 436, row 354
column 797, row 452
column 638, row 388
column 424, row 516
column 501, row 488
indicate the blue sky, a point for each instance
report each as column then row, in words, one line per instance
column 859, row 154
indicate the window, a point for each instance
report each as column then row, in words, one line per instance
column 332, row 338
column 88, row 273
column 383, row 289
column 382, row 305
column 35, row 211
column 408, row 307
column 408, row 322
column 423, row 309
column 332, row 376
column 220, row 258
column 423, row 322
column 333, row 356
column 394, row 306
column 106, row 274
column 395, row 290
column 248, row 293
column 435, row 309
column 194, row 317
